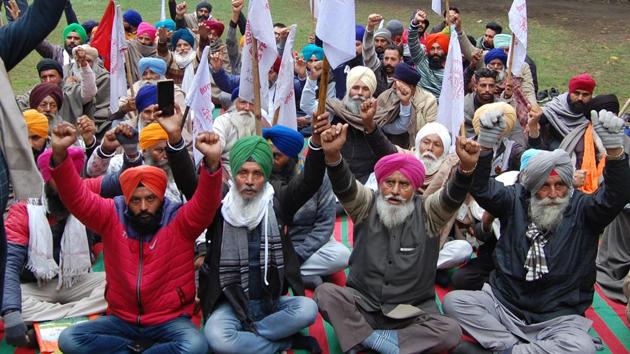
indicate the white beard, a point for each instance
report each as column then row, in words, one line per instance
column 185, row 59
column 431, row 163
column 393, row 215
column 353, row 104
column 547, row 213
column 244, row 122
column 501, row 76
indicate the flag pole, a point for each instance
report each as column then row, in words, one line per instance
column 448, row 23
column 625, row 106
column 256, row 74
column 276, row 116
column 511, row 59
column 323, row 88
column 129, row 79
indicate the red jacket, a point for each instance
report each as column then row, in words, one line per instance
column 148, row 283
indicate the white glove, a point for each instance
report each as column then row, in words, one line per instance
column 609, row 127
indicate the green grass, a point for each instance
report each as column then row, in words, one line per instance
column 558, row 53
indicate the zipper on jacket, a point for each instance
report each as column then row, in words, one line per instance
column 138, row 283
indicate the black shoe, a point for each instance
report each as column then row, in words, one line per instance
column 541, row 95
column 554, row 92
column 465, row 347
column 311, row 282
column 308, row 343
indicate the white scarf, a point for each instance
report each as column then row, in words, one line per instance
column 75, row 251
column 186, row 63
column 239, row 213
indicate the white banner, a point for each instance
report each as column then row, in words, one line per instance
column 163, row 11
column 518, row 26
column 315, row 7
column 259, row 26
column 200, row 102
column 336, row 28
column 118, row 79
column 436, row 6
column 451, row 102
column 285, row 90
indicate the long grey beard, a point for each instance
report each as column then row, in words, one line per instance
column 353, row 104
column 393, row 215
column 432, row 163
column 547, row 213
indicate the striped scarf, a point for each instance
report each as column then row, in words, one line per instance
column 536, row 263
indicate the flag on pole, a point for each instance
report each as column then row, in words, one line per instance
column 315, row 7
column 200, row 102
column 259, row 26
column 163, row 11
column 451, row 102
column 285, row 91
column 436, row 6
column 518, row 26
column 111, row 44
column 336, row 28
column 102, row 39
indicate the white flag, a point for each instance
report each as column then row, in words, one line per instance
column 518, row 25
column 315, row 7
column 259, row 26
column 336, row 28
column 285, row 90
column 163, row 11
column 118, row 79
column 199, row 100
column 451, row 103
column 436, row 6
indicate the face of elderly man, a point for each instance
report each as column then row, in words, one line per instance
column 549, row 203
column 250, row 180
column 360, row 90
column 393, row 203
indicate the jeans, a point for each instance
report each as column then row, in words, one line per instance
column 225, row 332
column 110, row 334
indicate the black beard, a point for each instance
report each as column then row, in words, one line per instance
column 54, row 204
column 388, row 69
column 379, row 50
column 69, row 48
column 577, row 107
column 144, row 226
column 202, row 18
column 36, row 153
column 435, row 62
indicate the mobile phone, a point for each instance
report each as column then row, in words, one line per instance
column 166, row 97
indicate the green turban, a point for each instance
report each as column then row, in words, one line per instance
column 254, row 147
column 75, row 27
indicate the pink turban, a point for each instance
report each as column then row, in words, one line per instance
column 146, row 28
column 407, row 164
column 43, row 161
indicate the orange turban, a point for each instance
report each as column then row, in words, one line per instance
column 153, row 178
column 439, row 38
column 36, row 123
column 151, row 135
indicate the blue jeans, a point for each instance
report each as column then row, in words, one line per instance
column 110, row 334
column 225, row 332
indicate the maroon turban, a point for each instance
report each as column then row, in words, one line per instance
column 582, row 82
column 44, row 90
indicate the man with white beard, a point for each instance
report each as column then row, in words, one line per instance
column 389, row 303
column 545, row 259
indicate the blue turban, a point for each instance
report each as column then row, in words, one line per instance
column 146, row 97
column 311, row 49
column 184, row 34
column 168, row 24
column 156, row 65
column 359, row 32
column 132, row 17
column 287, row 140
column 496, row 53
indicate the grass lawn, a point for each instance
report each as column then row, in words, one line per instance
column 559, row 52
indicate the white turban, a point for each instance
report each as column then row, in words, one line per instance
column 363, row 73
column 434, row 128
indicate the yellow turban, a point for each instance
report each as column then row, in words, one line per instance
column 365, row 74
column 509, row 114
column 151, row 135
column 36, row 122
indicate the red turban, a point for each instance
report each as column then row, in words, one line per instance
column 582, row 82
column 44, row 90
column 215, row 26
column 43, row 161
column 407, row 164
column 439, row 38
column 153, row 178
